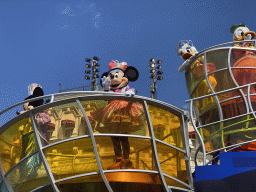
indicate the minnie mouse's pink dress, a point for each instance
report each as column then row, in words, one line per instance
column 121, row 111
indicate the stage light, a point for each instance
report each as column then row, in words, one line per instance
column 88, row 60
column 159, row 61
column 87, row 77
column 159, row 73
column 159, row 67
column 96, row 58
column 152, row 60
column 88, row 66
column 152, row 71
column 159, row 78
column 87, row 72
column 152, row 76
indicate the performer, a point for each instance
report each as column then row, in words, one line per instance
column 118, row 112
column 186, row 50
column 27, row 135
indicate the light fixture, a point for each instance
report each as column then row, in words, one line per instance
column 88, row 66
column 87, row 77
column 87, row 72
column 159, row 78
column 96, row 58
column 159, row 67
column 159, row 73
column 159, row 61
column 88, row 60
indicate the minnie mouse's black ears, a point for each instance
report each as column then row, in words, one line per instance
column 38, row 91
column 132, row 73
column 104, row 74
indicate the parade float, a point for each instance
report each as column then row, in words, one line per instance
column 221, row 82
column 95, row 141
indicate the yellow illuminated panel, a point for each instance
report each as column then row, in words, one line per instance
column 17, row 142
column 71, row 158
column 28, row 175
column 116, row 117
column 218, row 57
column 125, row 153
column 172, row 162
column 230, row 132
column 88, row 183
column 67, row 121
column 195, row 73
column 166, row 126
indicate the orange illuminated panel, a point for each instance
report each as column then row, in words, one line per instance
column 116, row 117
column 17, row 142
column 125, row 153
column 166, row 126
column 71, row 158
column 28, row 175
column 88, row 183
column 134, row 181
column 172, row 162
column 66, row 122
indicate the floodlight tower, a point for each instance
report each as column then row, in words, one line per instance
column 155, row 76
column 94, row 64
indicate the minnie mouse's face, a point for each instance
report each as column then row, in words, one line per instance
column 118, row 79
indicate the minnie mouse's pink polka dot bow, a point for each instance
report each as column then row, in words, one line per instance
column 115, row 65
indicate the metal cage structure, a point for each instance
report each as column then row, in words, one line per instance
column 221, row 82
column 79, row 150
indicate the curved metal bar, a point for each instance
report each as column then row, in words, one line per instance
column 235, row 145
column 41, row 187
column 216, row 122
column 180, row 189
column 96, row 94
column 196, row 154
column 198, row 134
column 175, row 110
column 94, row 147
column 77, row 176
column 249, row 101
column 234, row 80
column 4, row 179
column 202, row 78
column 39, row 146
column 185, row 139
column 21, row 161
column 215, row 96
column 154, row 149
column 175, row 179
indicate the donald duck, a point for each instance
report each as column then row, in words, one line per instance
column 186, row 50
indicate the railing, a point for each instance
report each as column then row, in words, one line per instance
column 224, row 126
column 78, row 97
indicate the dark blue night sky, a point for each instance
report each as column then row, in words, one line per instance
column 46, row 41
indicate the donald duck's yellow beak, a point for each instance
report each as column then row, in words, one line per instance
column 188, row 55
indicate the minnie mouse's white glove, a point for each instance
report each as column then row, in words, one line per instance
column 106, row 83
column 130, row 92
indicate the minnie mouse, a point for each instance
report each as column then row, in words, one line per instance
column 120, row 116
